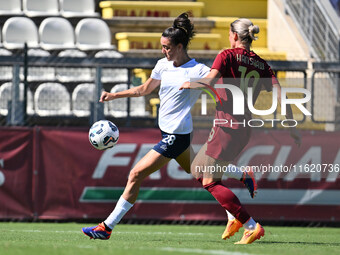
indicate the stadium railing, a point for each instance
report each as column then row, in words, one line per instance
column 96, row 67
column 325, row 89
column 319, row 25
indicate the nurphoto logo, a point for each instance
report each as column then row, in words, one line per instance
column 238, row 104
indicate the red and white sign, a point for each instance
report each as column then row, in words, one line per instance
column 55, row 173
column 16, row 172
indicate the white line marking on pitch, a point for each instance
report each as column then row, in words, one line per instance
column 202, row 251
column 86, row 247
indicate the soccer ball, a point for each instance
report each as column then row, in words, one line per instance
column 103, row 134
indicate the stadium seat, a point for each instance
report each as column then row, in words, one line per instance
column 38, row 73
column 76, row 8
column 85, row 74
column 6, row 72
column 93, row 34
column 146, row 9
column 34, row 73
column 108, row 54
column 82, row 97
column 38, row 53
column 233, row 8
column 4, row 52
column 34, row 8
column 52, row 99
column 74, row 74
column 118, row 107
column 114, row 75
column 18, row 30
column 30, row 108
column 73, row 53
column 56, row 34
column 6, row 95
column 11, row 8
column 139, row 40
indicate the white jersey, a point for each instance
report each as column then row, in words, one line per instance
column 175, row 104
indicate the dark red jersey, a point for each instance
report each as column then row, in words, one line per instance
column 243, row 69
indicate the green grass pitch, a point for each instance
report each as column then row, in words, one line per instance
column 67, row 238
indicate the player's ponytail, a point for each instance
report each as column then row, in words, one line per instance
column 182, row 30
column 245, row 29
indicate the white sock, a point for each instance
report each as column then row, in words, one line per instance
column 230, row 216
column 233, row 172
column 250, row 224
column 122, row 207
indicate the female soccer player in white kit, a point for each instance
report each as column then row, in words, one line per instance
column 175, row 121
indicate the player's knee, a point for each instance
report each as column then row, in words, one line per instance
column 136, row 176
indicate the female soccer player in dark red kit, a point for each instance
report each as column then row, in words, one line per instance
column 243, row 68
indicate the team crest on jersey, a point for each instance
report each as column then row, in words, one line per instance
column 164, row 147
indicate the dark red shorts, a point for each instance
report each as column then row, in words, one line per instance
column 225, row 143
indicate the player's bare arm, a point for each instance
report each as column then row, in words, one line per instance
column 142, row 90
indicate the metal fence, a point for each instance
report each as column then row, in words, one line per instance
column 38, row 91
column 65, row 91
column 325, row 88
column 319, row 25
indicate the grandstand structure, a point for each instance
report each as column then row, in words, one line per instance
column 68, row 41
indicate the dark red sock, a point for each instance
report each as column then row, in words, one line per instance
column 228, row 200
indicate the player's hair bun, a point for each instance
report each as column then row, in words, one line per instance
column 182, row 30
column 183, row 23
column 253, row 29
column 245, row 29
